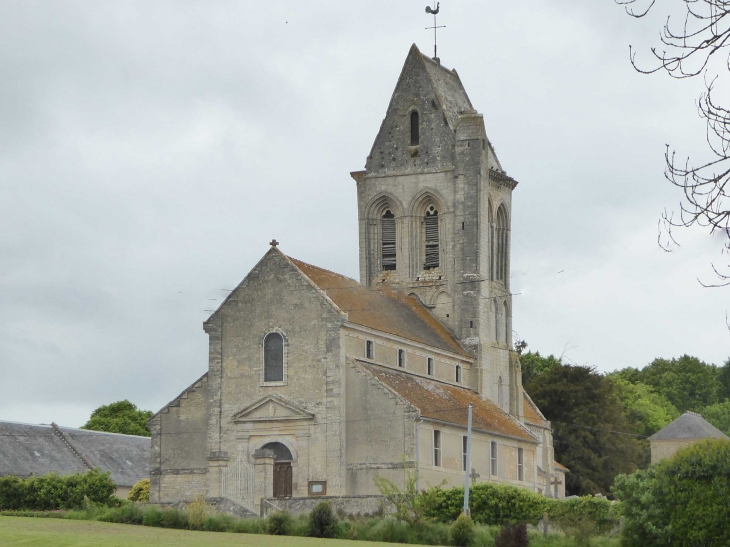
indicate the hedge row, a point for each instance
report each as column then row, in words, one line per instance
column 494, row 504
column 50, row 492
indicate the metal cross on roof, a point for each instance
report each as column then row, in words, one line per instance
column 434, row 27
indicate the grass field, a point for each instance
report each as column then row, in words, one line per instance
column 37, row 532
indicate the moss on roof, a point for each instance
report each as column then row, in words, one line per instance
column 390, row 312
column 447, row 403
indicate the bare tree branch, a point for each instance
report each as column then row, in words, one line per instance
column 690, row 47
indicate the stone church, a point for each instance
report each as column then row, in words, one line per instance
column 316, row 383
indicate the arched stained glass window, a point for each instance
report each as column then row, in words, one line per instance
column 274, row 357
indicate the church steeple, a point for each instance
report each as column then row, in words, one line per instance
column 434, row 206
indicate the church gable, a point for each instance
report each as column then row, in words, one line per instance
column 417, row 132
column 272, row 408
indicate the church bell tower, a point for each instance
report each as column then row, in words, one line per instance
column 434, row 210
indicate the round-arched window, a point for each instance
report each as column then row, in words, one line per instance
column 274, row 357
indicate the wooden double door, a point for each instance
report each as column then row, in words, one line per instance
column 282, row 480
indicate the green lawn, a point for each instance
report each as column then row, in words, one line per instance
column 43, row 532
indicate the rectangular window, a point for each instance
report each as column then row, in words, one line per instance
column 458, row 374
column 520, row 464
column 437, row 448
column 464, row 442
column 369, row 349
column 494, row 458
column 430, row 366
column 401, row 358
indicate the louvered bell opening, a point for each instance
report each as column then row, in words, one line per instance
column 432, row 242
column 387, row 224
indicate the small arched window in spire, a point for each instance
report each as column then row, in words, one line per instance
column 432, row 239
column 415, row 136
column 387, row 249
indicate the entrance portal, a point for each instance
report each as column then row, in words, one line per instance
column 282, row 469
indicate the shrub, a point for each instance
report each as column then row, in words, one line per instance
column 322, row 521
column 488, row 503
column 172, row 518
column 584, row 512
column 408, row 503
column 198, row 512
column 461, row 533
column 152, row 517
column 128, row 513
column 140, row 491
column 512, row 535
column 279, row 523
column 49, row 492
column 679, row 501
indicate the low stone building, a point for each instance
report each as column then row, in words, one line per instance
column 33, row 450
column 316, row 383
column 686, row 430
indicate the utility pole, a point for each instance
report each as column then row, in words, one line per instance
column 467, row 467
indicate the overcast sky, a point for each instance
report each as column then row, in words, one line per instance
column 149, row 151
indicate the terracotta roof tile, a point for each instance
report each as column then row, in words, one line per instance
column 532, row 416
column 393, row 313
column 447, row 403
column 560, row 466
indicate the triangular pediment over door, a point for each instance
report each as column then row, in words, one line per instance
column 273, row 408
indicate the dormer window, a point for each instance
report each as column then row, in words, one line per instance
column 387, row 248
column 431, row 223
column 415, row 137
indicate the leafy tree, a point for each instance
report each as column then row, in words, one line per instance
column 679, row 501
column 533, row 364
column 120, row 417
column 647, row 410
column 591, row 435
column 719, row 416
column 687, row 382
column 723, row 377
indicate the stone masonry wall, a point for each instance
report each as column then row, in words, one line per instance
column 179, row 466
column 276, row 297
column 380, row 433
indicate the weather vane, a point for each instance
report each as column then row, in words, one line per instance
column 434, row 27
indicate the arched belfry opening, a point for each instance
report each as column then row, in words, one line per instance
column 431, row 225
column 502, row 245
column 387, row 241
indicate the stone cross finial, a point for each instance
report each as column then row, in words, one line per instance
column 474, row 475
column 273, row 243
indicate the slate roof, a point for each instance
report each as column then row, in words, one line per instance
column 393, row 313
column 689, row 425
column 28, row 449
column 446, row 403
